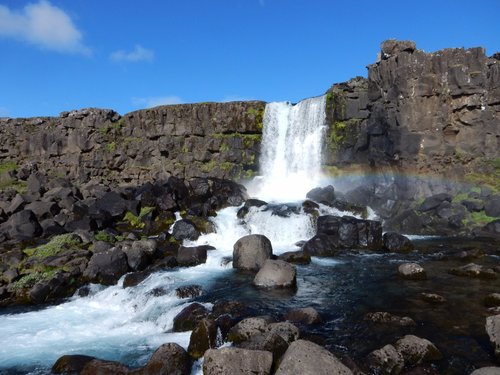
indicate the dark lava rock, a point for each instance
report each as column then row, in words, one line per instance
column 228, row 361
column 276, row 274
column 107, row 267
column 185, row 229
column 473, row 270
column 135, row 278
column 71, row 364
column 235, row 309
column 324, row 195
column 387, row 318
column 203, row 337
column 433, row 298
column 468, row 255
column 169, row 359
column 473, row 205
column 386, row 360
column 192, row 256
column 310, row 207
column 306, row 315
column 492, row 207
column 100, row 367
column 434, row 201
column 416, row 350
column 492, row 300
column 22, row 225
column 393, row 47
column 189, row 317
column 296, row 257
column 250, row 252
column 189, row 291
column 397, row 243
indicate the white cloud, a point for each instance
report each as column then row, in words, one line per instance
column 234, row 98
column 43, row 25
column 139, row 53
column 156, row 101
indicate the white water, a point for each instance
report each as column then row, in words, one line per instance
column 291, row 149
column 128, row 324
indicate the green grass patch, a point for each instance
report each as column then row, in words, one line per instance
column 7, row 166
column 56, row 245
column 478, row 219
column 29, row 280
column 258, row 114
column 135, row 221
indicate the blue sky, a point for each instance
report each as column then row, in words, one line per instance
column 60, row 55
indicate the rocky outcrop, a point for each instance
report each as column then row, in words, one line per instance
column 188, row 140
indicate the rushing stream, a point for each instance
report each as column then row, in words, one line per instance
column 128, row 324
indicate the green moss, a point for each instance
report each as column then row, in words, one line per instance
column 478, row 219
column 460, row 197
column 19, row 186
column 7, row 166
column 336, row 135
column 29, row 280
column 56, row 245
column 224, row 147
column 111, row 146
column 258, row 115
column 135, row 221
column 105, row 236
column 226, row 166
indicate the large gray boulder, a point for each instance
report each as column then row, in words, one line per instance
column 305, row 357
column 169, row 359
column 276, row 274
column 416, row 350
column 234, row 361
column 486, row 371
column 412, row 271
column 247, row 328
column 250, row 252
column 107, row 267
column 22, row 225
column 493, row 331
column 386, row 360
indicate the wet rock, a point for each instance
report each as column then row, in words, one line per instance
column 189, row 317
column 486, row 371
column 296, row 257
column 306, row 315
column 107, row 267
column 412, row 271
column 493, row 331
column 169, row 359
column 387, row 318
column 475, row 271
column 235, row 309
column 310, row 207
column 286, row 330
column 492, row 300
column 71, row 364
column 135, row 278
column 305, row 357
column 250, row 252
column 203, row 337
column 416, row 350
column 247, row 328
column 433, row 298
column 232, row 361
column 324, row 195
column 138, row 258
column 101, row 246
column 386, row 360
column 192, row 256
column 189, row 291
column 100, row 367
column 276, row 274
column 397, row 243
column 468, row 255
column 185, row 229
column 271, row 342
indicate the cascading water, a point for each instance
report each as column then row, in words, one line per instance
column 127, row 324
column 291, row 149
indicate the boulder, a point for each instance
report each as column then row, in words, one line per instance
column 296, row 257
column 305, row 357
column 138, row 257
column 434, row 201
column 324, row 195
column 492, row 207
column 416, row 350
column 22, row 225
column 247, row 328
column 387, row 318
column 107, row 267
column 113, row 204
column 43, row 210
column 486, row 371
column 71, row 364
column 305, row 315
column 135, row 278
column 412, row 271
column 185, row 229
column 493, row 331
column 169, row 359
column 203, row 337
column 433, row 298
column 192, row 256
column 286, row 330
column 271, row 342
column 189, row 291
column 189, row 317
column 475, row 271
column 250, row 252
column 234, row 361
column 276, row 274
column 396, row 243
column 492, row 300
column 386, row 360
column 100, row 367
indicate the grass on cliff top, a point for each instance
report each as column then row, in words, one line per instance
column 56, row 245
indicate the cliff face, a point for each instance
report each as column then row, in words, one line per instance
column 421, row 112
column 206, row 139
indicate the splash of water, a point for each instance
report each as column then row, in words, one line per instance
column 291, row 149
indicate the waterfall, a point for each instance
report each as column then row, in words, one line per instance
column 291, row 149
